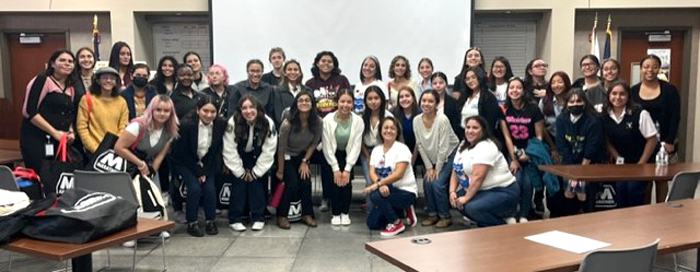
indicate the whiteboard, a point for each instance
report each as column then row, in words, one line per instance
column 176, row 39
column 351, row 29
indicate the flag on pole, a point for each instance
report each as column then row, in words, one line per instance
column 96, row 38
column 595, row 47
column 608, row 40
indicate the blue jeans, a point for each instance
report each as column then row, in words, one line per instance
column 436, row 202
column 385, row 208
column 489, row 207
column 365, row 171
column 197, row 192
column 253, row 192
column 525, row 184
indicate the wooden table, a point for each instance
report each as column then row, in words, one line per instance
column 82, row 253
column 504, row 248
column 10, row 156
column 625, row 172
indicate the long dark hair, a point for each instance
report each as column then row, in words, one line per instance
column 464, row 60
column 523, row 99
column 548, row 102
column 508, row 74
column 631, row 106
column 396, row 59
column 486, row 133
column 399, row 111
column 480, row 77
column 159, row 78
column 367, row 113
column 114, row 56
column 529, row 81
column 285, row 81
column 295, row 117
column 314, row 69
column 377, row 72
column 582, row 95
column 203, row 101
column 71, row 78
column 262, row 125
column 435, row 95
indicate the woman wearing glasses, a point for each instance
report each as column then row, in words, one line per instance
column 535, row 82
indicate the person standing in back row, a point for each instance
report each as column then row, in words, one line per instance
column 276, row 58
column 262, row 91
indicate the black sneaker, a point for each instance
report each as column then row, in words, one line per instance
column 211, row 228
column 194, row 230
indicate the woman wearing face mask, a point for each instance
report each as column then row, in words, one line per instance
column 299, row 136
column 49, row 111
column 165, row 77
column 250, row 142
column 120, row 59
column 102, row 111
column 370, row 75
column 535, row 82
column 662, row 101
column 436, row 142
column 446, row 104
column 579, row 141
column 631, row 138
column 393, row 184
column 611, row 72
column 375, row 111
column 425, row 69
column 472, row 58
column 289, row 87
column 590, row 83
column 193, row 59
column 184, row 97
column 218, row 88
column 86, row 62
column 342, row 141
column 400, row 74
column 498, row 78
column 195, row 157
column 138, row 94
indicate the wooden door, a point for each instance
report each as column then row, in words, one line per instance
column 634, row 45
column 26, row 60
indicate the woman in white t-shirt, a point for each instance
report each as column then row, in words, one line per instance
column 370, row 75
column 488, row 193
column 393, row 182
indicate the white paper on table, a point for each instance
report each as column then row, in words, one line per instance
column 567, row 241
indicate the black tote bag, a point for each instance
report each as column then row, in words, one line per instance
column 57, row 174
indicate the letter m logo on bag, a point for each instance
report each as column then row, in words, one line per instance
column 108, row 161
column 65, row 182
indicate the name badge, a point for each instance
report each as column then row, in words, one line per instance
column 620, row 160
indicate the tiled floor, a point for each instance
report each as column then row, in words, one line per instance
column 325, row 248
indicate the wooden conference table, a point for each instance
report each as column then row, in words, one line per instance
column 10, row 156
column 82, row 253
column 504, row 248
column 625, row 172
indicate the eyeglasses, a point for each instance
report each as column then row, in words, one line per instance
column 587, row 65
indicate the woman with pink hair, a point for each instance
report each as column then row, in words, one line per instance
column 218, row 88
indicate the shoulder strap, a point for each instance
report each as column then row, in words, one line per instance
column 142, row 130
column 88, row 101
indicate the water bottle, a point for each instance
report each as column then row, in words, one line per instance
column 662, row 156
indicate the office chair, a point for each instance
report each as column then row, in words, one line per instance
column 640, row 259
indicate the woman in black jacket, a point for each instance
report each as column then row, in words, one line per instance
column 196, row 157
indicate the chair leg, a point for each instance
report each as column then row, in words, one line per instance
column 9, row 263
column 109, row 260
column 133, row 261
column 162, row 240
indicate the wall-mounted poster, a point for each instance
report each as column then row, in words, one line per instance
column 665, row 55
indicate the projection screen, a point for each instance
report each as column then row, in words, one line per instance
column 352, row 29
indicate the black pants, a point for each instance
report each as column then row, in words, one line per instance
column 295, row 188
column 326, row 173
column 341, row 196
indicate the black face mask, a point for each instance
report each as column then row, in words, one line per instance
column 139, row 81
column 576, row 110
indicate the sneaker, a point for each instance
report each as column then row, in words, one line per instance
column 443, row 223
column 211, row 228
column 345, row 219
column 510, row 220
column 238, row 226
column 335, row 221
column 165, row 234
column 194, row 230
column 131, row 243
column 522, row 220
column 411, row 216
column 393, row 229
column 429, row 221
column 258, row 225
column 324, row 205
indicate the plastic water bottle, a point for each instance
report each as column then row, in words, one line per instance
column 662, row 156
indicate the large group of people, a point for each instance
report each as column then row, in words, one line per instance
column 478, row 143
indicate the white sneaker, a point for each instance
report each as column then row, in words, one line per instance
column 522, row 220
column 324, row 205
column 259, row 225
column 344, row 219
column 510, row 220
column 131, row 243
column 335, row 221
column 238, row 226
column 165, row 234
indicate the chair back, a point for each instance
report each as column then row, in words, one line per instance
column 116, row 183
column 640, row 259
column 684, row 186
column 7, row 179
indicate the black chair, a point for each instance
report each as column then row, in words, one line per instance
column 7, row 179
column 683, row 187
column 639, row 259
